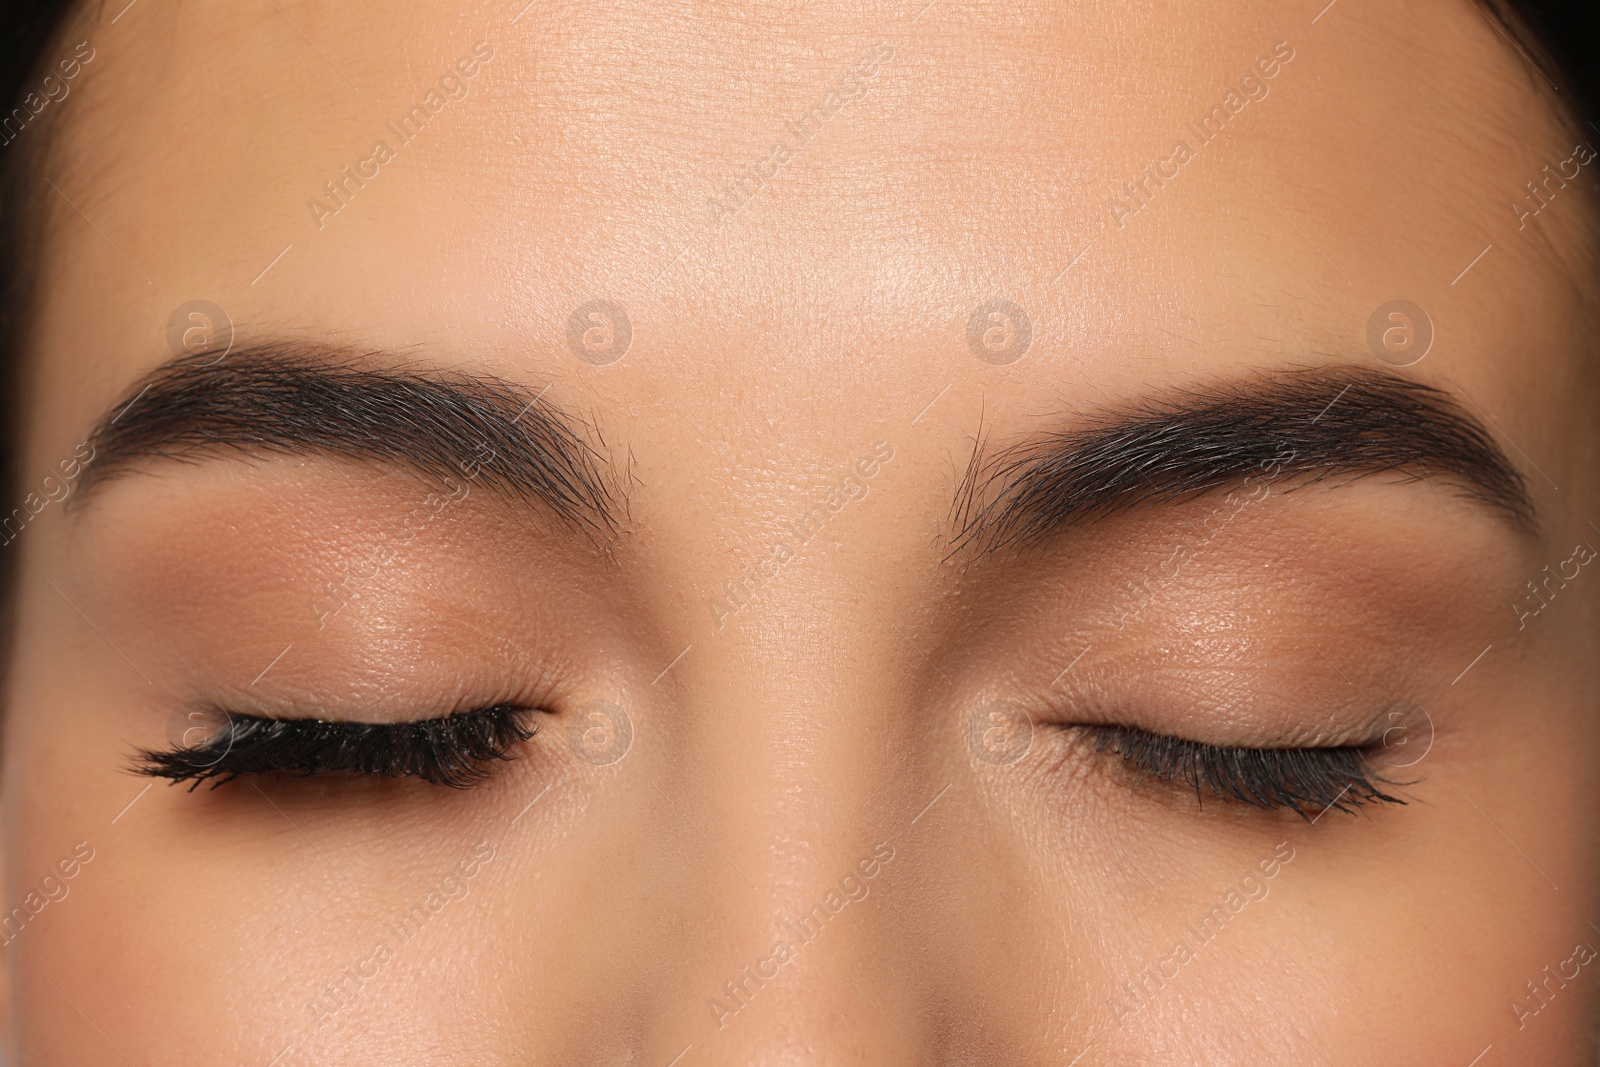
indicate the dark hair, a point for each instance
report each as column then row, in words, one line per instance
column 1558, row 37
column 26, row 29
column 1561, row 36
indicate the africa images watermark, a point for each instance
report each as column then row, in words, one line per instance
column 1541, row 195
column 53, row 88
column 1133, row 196
column 1252, row 888
column 1540, row 596
column 52, row 889
column 1399, row 333
column 53, row 489
column 853, row 84
column 340, row 190
column 339, row 993
column 853, row 887
column 999, row 332
column 1539, row 996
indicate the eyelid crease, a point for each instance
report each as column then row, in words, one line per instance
column 454, row 750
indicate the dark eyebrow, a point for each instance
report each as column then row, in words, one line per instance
column 1294, row 428
column 292, row 399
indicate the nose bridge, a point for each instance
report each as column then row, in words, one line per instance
column 778, row 790
column 777, row 770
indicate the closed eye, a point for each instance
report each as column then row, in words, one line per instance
column 1302, row 780
column 456, row 750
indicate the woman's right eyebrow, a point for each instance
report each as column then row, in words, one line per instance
column 294, row 399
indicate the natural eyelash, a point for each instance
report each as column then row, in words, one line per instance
column 1300, row 779
column 452, row 751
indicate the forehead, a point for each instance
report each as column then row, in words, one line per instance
column 786, row 203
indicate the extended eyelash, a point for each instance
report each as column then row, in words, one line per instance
column 1300, row 779
column 453, row 751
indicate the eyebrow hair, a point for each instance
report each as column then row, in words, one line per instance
column 284, row 398
column 1298, row 428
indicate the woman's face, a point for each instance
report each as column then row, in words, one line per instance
column 927, row 413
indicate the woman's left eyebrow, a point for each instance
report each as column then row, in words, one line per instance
column 294, row 399
column 1297, row 427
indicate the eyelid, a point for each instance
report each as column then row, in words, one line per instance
column 1301, row 780
column 453, row 750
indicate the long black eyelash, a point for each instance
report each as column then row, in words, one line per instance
column 1303, row 780
column 454, row 751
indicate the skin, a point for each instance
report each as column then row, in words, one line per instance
column 772, row 754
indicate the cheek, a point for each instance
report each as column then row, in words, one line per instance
column 174, row 940
column 225, row 935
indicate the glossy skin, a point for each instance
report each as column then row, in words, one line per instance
column 782, row 747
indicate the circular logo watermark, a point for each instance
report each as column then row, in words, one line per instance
column 999, row 332
column 1399, row 333
column 201, row 729
column 999, row 732
column 200, row 326
column 599, row 332
column 600, row 733
column 1408, row 736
